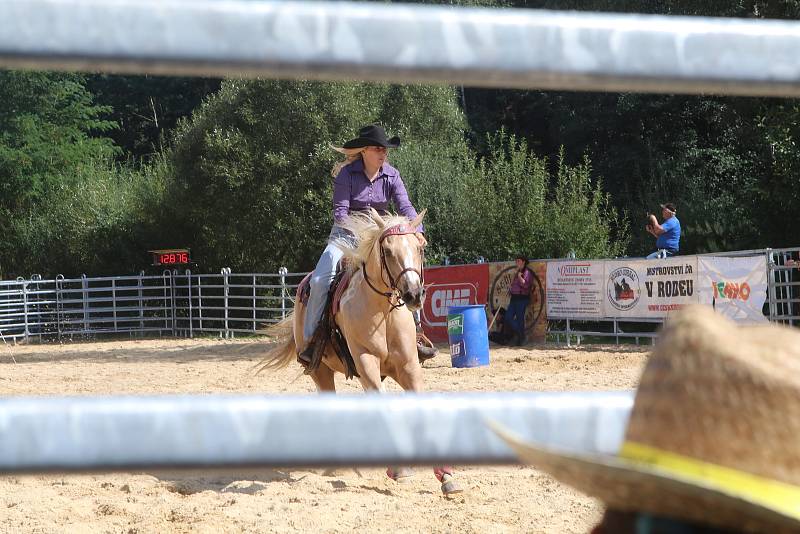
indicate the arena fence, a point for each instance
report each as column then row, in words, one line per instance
column 482, row 47
column 173, row 303
column 187, row 304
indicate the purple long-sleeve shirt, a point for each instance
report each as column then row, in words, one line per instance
column 521, row 287
column 352, row 191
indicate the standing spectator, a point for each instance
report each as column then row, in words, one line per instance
column 667, row 234
column 520, row 291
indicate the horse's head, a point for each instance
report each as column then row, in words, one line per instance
column 401, row 253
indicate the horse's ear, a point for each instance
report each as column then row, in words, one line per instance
column 418, row 219
column 376, row 217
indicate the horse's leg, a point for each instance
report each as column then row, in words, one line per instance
column 409, row 376
column 323, row 378
column 369, row 370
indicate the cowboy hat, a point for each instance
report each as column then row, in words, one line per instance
column 372, row 135
column 714, row 433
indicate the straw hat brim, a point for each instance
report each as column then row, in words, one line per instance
column 628, row 486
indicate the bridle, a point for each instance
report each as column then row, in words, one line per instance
column 393, row 295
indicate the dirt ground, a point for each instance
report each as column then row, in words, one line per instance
column 497, row 499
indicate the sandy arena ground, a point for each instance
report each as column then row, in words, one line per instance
column 497, row 499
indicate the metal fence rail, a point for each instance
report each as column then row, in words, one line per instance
column 468, row 46
column 172, row 303
column 123, row 433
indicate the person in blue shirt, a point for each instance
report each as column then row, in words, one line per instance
column 667, row 234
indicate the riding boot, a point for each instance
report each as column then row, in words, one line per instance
column 425, row 348
column 304, row 358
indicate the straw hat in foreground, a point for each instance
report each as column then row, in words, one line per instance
column 714, row 433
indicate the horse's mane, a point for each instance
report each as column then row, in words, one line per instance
column 366, row 231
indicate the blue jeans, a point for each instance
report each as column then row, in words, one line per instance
column 515, row 314
column 321, row 279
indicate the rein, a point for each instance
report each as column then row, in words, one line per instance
column 393, row 295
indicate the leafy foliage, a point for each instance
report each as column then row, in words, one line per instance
column 508, row 202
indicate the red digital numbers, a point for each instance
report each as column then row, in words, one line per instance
column 172, row 257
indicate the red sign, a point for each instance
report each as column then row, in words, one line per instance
column 173, row 256
column 457, row 285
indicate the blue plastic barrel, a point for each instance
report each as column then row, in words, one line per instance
column 468, row 335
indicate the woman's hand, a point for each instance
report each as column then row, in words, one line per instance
column 422, row 241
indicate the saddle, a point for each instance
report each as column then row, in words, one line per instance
column 327, row 330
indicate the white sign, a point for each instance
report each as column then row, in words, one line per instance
column 649, row 288
column 575, row 288
column 734, row 287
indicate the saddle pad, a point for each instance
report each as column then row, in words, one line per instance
column 343, row 282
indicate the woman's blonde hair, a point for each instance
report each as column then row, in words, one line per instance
column 351, row 154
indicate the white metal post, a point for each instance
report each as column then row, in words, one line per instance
column 225, row 272
column 172, row 276
column 114, row 301
column 199, row 303
column 189, row 291
column 141, row 300
column 59, row 305
column 25, row 307
column 283, row 271
column 773, row 311
column 85, row 303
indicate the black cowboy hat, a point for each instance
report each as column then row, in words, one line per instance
column 372, row 135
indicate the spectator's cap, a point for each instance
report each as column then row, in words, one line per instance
column 712, row 435
column 670, row 207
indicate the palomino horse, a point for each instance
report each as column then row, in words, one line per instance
column 375, row 314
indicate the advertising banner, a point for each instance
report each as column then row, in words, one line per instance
column 458, row 285
column 734, row 287
column 575, row 288
column 649, row 288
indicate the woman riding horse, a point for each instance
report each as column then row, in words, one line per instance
column 363, row 180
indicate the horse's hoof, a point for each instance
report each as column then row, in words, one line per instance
column 450, row 486
column 400, row 474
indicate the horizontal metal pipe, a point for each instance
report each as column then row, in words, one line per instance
column 468, row 46
column 125, row 433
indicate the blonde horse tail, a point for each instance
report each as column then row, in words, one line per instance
column 284, row 352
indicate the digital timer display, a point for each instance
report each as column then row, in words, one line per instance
column 171, row 257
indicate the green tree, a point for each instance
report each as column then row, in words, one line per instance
column 147, row 108
column 48, row 124
column 508, row 202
